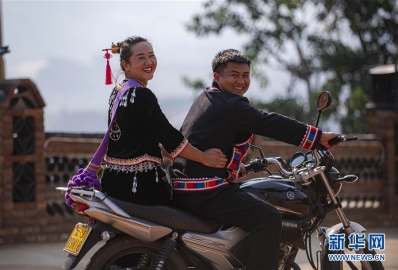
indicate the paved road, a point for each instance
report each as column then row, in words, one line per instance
column 49, row 256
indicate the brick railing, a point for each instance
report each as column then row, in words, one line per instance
column 64, row 155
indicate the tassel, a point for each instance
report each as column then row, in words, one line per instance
column 157, row 178
column 108, row 72
column 135, row 183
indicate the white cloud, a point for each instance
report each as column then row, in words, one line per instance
column 29, row 69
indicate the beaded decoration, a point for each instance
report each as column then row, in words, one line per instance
column 134, row 166
column 179, row 148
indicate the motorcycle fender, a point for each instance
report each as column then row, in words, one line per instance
column 339, row 228
column 95, row 236
column 336, row 229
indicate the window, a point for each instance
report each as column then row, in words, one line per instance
column 23, row 129
column 24, row 184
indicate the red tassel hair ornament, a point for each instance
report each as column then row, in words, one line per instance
column 108, row 71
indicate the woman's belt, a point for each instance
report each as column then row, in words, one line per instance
column 135, row 165
column 140, row 167
column 139, row 164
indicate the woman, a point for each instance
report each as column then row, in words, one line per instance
column 133, row 160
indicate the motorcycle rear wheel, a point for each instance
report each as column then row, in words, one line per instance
column 125, row 252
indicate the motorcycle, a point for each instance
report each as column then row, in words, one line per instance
column 162, row 237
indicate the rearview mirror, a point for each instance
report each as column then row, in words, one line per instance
column 324, row 101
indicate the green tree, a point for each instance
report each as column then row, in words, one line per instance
column 323, row 44
column 358, row 34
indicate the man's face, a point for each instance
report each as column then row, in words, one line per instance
column 235, row 78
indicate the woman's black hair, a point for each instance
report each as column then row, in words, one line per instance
column 125, row 47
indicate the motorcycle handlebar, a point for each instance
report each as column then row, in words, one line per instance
column 341, row 138
column 253, row 165
column 248, row 167
column 258, row 164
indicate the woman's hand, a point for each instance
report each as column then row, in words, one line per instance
column 214, row 157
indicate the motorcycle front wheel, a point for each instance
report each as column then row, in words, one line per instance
column 126, row 252
column 338, row 265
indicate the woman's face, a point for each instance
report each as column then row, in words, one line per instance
column 142, row 63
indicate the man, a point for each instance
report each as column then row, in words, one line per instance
column 222, row 118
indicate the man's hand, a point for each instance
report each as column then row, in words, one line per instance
column 214, row 158
column 242, row 171
column 326, row 136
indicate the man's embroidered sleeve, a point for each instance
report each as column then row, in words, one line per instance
column 247, row 119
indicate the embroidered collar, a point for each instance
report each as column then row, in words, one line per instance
column 215, row 85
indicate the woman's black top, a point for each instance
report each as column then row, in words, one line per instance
column 133, row 148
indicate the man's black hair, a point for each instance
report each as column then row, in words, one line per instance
column 230, row 55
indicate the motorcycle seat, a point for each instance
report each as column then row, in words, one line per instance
column 172, row 217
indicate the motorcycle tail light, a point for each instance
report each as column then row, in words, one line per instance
column 79, row 208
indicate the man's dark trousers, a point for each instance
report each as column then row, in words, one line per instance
column 234, row 206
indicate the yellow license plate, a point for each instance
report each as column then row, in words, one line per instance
column 77, row 238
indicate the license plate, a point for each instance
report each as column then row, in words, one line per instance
column 77, row 238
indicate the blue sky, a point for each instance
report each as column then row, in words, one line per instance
column 58, row 45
